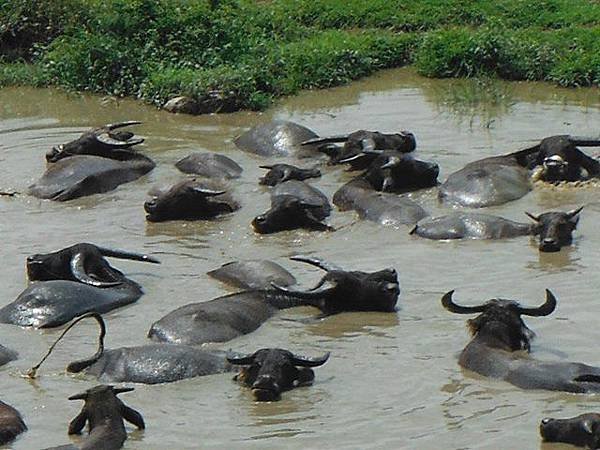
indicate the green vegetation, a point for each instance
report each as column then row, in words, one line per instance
column 235, row 54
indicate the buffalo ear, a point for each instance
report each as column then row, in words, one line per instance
column 588, row 426
column 77, row 424
column 132, row 416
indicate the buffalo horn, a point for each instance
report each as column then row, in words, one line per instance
column 391, row 162
column 120, row 390
column 114, row 126
column 326, row 140
column 80, row 396
column 207, row 192
column 242, row 360
column 585, row 141
column 532, row 216
column 354, row 157
column 449, row 304
column 106, row 139
column 327, row 266
column 574, row 212
column 312, row 294
column 547, row 308
column 78, row 270
column 266, row 167
column 304, row 361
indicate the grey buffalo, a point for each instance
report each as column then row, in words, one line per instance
column 500, row 348
column 294, row 204
column 278, row 173
column 233, row 315
column 11, row 423
column 500, row 179
column 555, row 229
column 581, row 431
column 190, row 200
column 358, row 146
column 96, row 162
column 252, row 274
column 276, row 138
column 104, row 413
column 210, row 165
column 270, row 371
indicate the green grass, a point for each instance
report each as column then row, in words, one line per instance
column 238, row 54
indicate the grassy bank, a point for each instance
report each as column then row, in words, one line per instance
column 236, row 54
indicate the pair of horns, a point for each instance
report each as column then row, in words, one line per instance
column 297, row 360
column 543, row 310
column 116, row 390
column 103, row 135
column 569, row 214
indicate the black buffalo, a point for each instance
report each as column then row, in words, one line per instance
column 581, row 431
column 104, row 413
column 11, row 423
column 277, row 138
column 501, row 344
column 210, row 165
column 233, row 315
column 294, row 204
column 190, row 200
column 252, row 274
column 271, row 371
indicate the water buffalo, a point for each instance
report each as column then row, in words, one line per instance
column 501, row 343
column 554, row 228
column 100, row 141
column 46, row 304
column 500, row 179
column 382, row 208
column 11, row 423
column 104, row 413
column 253, row 274
column 358, row 146
column 210, row 165
column 82, row 262
column 7, row 355
column 581, row 431
column 278, row 173
column 294, row 204
column 271, row 371
column 82, row 175
column 276, row 138
column 233, row 315
column 190, row 200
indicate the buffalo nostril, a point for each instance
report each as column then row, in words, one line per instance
column 549, row 241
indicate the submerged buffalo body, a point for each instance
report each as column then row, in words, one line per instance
column 270, row 371
column 46, row 304
column 82, row 175
column 11, row 423
column 277, row 138
column 501, row 343
column 554, row 228
column 294, row 204
column 190, row 200
column 210, row 165
column 278, row 173
column 227, row 317
column 253, row 274
column 7, row 355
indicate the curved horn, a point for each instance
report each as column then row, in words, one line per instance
column 326, row 140
column 120, row 390
column 304, row 361
column 532, row 216
column 266, row 167
column 80, row 365
column 574, row 212
column 242, row 360
column 114, row 126
column 547, row 308
column 206, row 192
column 315, row 293
column 80, row 396
column 318, row 262
column 585, row 141
column 78, row 271
column 391, row 162
column 115, row 143
column 449, row 304
column 353, row 158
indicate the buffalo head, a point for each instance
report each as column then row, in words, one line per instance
column 189, row 200
column 582, row 430
column 359, row 146
column 288, row 213
column 556, row 229
column 271, row 371
column 341, row 290
column 400, row 173
column 102, row 406
column 499, row 323
column 100, row 142
column 278, row 173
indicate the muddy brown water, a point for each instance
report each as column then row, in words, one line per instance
column 392, row 380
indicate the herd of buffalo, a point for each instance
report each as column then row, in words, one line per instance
column 78, row 282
